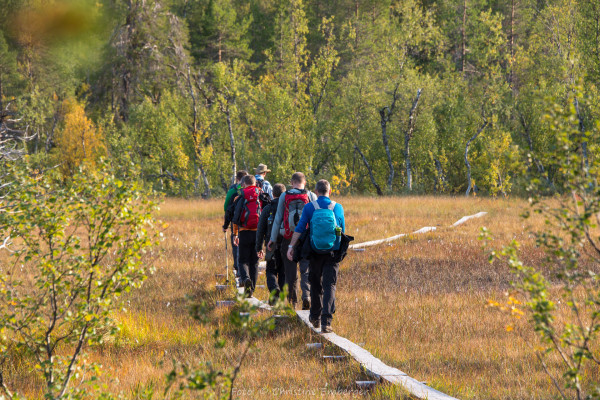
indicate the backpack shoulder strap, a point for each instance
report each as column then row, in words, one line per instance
column 315, row 205
column 331, row 206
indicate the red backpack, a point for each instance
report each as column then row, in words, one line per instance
column 251, row 208
column 294, row 203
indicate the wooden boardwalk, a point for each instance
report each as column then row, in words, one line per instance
column 371, row 364
column 377, row 368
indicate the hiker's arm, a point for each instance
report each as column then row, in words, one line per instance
column 260, row 230
column 307, row 213
column 295, row 238
column 278, row 219
column 269, row 190
column 290, row 251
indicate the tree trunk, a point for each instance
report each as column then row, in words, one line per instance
column 232, row 144
column 386, row 115
column 464, row 37
column 407, row 137
column 384, row 136
column 485, row 123
column 440, row 182
column 512, row 42
column 373, row 181
column 584, row 150
column 206, row 193
column 1, row 93
column 224, row 183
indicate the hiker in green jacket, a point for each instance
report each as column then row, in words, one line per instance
column 232, row 193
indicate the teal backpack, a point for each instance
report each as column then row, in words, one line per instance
column 323, row 224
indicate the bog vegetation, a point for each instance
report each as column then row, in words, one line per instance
column 107, row 105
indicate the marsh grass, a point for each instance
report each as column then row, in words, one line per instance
column 418, row 303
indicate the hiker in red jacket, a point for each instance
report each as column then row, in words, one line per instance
column 245, row 223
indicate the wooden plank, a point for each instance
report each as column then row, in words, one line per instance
column 425, row 229
column 468, row 217
column 422, row 230
column 370, row 363
column 376, row 242
column 334, row 358
column 390, row 239
column 366, row 384
column 255, row 302
column 376, row 367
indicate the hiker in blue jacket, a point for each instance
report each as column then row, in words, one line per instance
column 326, row 220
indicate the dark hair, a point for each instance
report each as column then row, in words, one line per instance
column 278, row 188
column 240, row 175
column 298, row 177
column 249, row 180
column 322, row 187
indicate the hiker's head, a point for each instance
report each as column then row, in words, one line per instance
column 278, row 188
column 298, row 180
column 323, row 188
column 240, row 175
column 262, row 170
column 248, row 180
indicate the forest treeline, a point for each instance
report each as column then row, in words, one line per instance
column 378, row 96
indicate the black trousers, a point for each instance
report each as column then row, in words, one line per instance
column 291, row 275
column 275, row 270
column 323, row 278
column 234, row 252
column 247, row 257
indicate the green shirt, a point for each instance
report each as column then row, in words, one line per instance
column 230, row 195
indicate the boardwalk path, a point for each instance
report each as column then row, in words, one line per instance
column 372, row 365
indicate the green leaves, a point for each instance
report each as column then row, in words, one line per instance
column 76, row 248
column 563, row 296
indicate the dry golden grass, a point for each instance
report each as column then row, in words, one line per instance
column 418, row 303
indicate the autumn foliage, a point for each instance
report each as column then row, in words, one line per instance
column 78, row 139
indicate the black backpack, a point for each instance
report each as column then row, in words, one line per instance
column 271, row 217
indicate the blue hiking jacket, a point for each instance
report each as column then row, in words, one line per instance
column 324, row 202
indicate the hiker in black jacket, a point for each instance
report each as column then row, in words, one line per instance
column 275, row 268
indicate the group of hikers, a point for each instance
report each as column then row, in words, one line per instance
column 299, row 227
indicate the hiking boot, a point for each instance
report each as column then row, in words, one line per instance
column 248, row 287
column 326, row 329
column 306, row 304
column 315, row 322
column 274, row 297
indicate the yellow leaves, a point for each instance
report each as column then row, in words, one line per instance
column 340, row 183
column 512, row 300
column 517, row 313
column 78, row 138
column 509, row 328
column 510, row 308
column 493, row 303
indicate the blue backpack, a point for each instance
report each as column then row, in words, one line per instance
column 323, row 224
